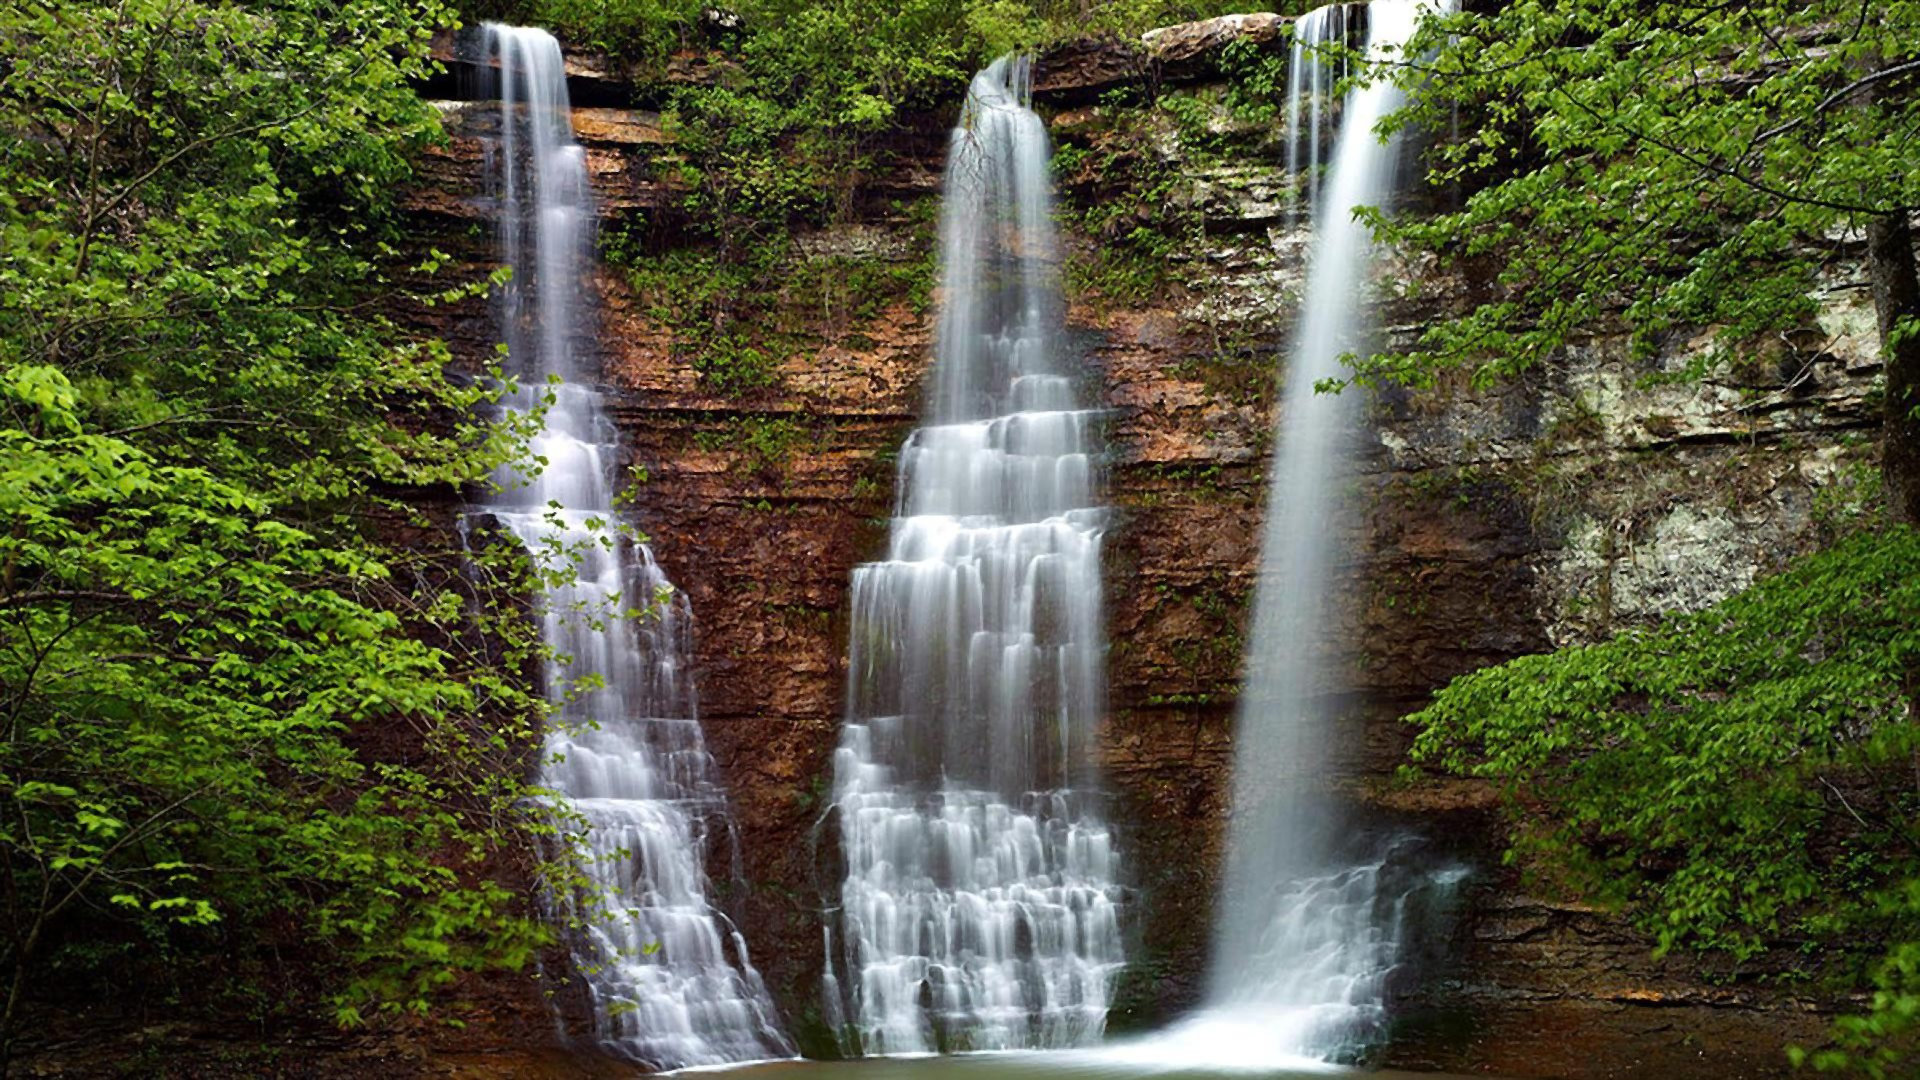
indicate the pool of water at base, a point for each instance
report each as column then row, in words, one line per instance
column 1098, row 1064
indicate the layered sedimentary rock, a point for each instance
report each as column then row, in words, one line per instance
column 1490, row 524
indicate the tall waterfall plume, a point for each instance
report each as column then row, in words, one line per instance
column 1313, row 915
column 668, row 975
column 979, row 907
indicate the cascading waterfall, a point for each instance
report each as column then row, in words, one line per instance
column 1312, row 74
column 669, row 977
column 978, row 911
column 1306, row 934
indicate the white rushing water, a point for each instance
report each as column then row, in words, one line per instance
column 669, row 977
column 978, row 910
column 1309, row 929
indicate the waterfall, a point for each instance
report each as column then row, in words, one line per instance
column 669, row 977
column 978, row 910
column 1313, row 915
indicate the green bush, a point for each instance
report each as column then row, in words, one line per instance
column 1738, row 778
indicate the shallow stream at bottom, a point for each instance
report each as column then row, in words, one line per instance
column 1115, row 1061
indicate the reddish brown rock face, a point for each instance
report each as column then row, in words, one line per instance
column 763, row 539
column 1489, row 526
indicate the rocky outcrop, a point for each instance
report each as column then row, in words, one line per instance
column 593, row 79
column 1492, row 524
column 1082, row 71
column 1192, row 50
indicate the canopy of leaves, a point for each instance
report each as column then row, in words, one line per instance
column 1739, row 777
column 847, row 62
column 1652, row 168
column 230, row 700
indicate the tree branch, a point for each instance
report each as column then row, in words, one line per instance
column 1835, row 98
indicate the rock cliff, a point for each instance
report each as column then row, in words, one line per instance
column 1495, row 523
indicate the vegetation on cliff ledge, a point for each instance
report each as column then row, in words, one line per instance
column 797, row 107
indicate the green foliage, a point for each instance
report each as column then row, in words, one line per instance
column 1652, row 168
column 748, row 176
column 1257, row 81
column 1125, row 192
column 732, row 363
column 763, row 443
column 850, row 292
column 1737, row 777
column 736, row 312
column 645, row 31
column 852, row 61
column 805, row 87
column 1128, row 179
column 779, row 141
column 717, row 307
column 234, row 713
column 852, row 64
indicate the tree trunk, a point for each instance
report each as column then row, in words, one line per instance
column 1896, row 299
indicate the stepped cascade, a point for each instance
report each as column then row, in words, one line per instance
column 1312, row 916
column 979, row 906
column 668, row 975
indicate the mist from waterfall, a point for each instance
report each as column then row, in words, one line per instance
column 669, row 977
column 978, row 908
